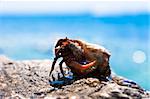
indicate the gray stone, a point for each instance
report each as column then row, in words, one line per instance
column 29, row 79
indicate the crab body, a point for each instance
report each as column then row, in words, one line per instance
column 80, row 57
column 98, row 53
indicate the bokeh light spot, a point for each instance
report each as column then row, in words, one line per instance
column 139, row 56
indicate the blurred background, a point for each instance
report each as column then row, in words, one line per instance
column 29, row 30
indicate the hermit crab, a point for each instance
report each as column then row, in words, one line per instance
column 83, row 59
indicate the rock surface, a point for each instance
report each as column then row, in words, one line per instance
column 29, row 79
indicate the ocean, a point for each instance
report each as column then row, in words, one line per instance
column 25, row 37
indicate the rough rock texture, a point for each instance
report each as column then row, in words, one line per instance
column 29, row 79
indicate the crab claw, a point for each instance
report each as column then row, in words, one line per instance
column 56, row 51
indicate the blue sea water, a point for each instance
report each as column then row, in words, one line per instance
column 33, row 37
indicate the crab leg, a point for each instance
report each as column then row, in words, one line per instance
column 61, row 69
column 53, row 64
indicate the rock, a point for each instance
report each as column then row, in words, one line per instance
column 29, row 79
column 5, row 60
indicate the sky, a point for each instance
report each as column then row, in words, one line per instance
column 96, row 8
column 29, row 30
